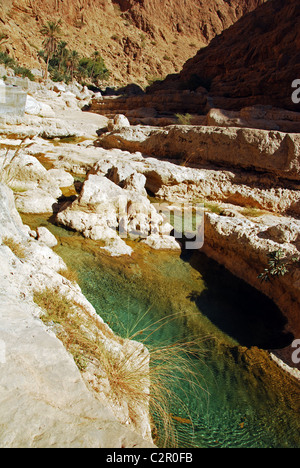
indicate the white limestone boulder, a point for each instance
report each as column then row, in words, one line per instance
column 157, row 242
column 63, row 178
column 46, row 237
column 104, row 211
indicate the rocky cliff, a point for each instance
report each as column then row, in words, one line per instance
column 253, row 62
column 139, row 40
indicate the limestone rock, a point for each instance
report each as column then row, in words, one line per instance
column 117, row 247
column 136, row 182
column 24, row 172
column 33, row 107
column 46, row 237
column 242, row 246
column 284, row 232
column 260, row 117
column 118, row 123
column 158, row 242
column 105, row 211
column 266, row 151
column 33, row 125
column 35, row 201
column 35, row 190
column 63, row 178
column 43, row 391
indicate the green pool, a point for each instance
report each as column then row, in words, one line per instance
column 245, row 399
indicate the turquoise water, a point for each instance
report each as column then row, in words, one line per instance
column 245, row 400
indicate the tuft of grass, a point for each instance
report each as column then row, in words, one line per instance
column 15, row 247
column 250, row 212
column 213, row 207
column 172, row 372
column 69, row 274
column 184, row 119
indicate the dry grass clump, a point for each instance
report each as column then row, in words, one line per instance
column 69, row 274
column 132, row 378
column 172, row 373
column 15, row 247
column 213, row 207
column 250, row 212
column 7, row 173
column 81, row 333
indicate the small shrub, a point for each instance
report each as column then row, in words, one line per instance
column 153, row 79
column 10, row 62
column 23, row 72
column 184, row 119
column 278, row 265
column 6, row 59
column 250, row 212
column 213, row 207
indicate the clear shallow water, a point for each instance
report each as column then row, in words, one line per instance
column 246, row 401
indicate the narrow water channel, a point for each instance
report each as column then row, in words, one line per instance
column 245, row 399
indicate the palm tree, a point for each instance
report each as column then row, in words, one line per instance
column 3, row 38
column 52, row 31
column 72, row 62
column 94, row 57
column 62, row 53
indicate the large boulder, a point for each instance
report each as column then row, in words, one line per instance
column 63, row 178
column 104, row 211
column 33, row 107
column 35, row 190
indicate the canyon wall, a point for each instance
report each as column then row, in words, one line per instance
column 255, row 61
column 139, row 40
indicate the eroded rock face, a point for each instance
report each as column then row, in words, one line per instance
column 263, row 117
column 242, row 245
column 273, row 152
column 36, row 191
column 252, row 62
column 159, row 42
